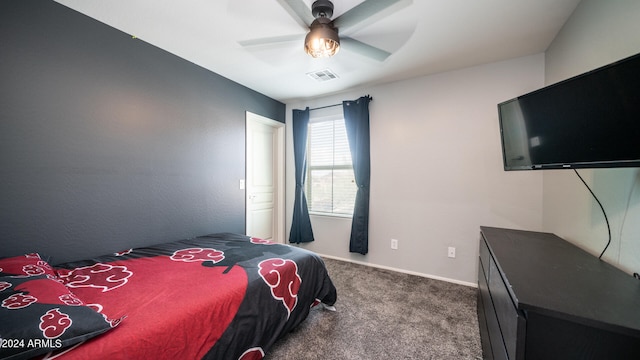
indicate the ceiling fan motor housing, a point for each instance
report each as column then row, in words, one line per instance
column 322, row 8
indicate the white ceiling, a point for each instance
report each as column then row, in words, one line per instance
column 425, row 37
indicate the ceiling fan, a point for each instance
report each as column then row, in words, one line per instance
column 322, row 39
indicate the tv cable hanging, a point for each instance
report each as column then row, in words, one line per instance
column 603, row 212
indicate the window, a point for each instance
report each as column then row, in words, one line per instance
column 331, row 186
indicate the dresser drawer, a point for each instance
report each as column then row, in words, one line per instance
column 496, row 350
column 484, row 257
column 508, row 316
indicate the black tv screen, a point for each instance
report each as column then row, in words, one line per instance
column 588, row 121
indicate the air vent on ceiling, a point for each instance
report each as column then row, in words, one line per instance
column 322, row 75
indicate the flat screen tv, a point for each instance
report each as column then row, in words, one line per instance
column 588, row 121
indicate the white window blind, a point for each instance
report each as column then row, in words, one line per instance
column 331, row 187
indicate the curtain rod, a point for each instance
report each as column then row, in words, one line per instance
column 324, row 107
column 329, row 106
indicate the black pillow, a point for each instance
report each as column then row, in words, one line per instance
column 38, row 314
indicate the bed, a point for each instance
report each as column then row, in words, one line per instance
column 220, row 296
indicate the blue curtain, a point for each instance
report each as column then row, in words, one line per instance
column 356, row 119
column 301, row 224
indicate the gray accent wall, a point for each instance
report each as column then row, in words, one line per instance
column 107, row 142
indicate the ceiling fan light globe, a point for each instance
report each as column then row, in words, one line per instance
column 318, row 48
column 322, row 40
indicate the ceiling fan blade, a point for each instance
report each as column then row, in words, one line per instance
column 367, row 12
column 351, row 44
column 271, row 40
column 299, row 11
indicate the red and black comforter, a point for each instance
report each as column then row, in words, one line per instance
column 221, row 296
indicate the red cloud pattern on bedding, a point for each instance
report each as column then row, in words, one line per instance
column 252, row 354
column 54, row 323
column 18, row 301
column 282, row 277
column 255, row 240
column 105, row 277
column 198, row 254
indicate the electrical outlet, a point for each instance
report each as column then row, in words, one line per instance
column 451, row 252
column 394, row 244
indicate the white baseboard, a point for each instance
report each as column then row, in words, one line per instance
column 454, row 281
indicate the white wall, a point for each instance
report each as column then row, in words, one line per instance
column 436, row 170
column 598, row 33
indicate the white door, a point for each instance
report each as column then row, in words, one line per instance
column 265, row 178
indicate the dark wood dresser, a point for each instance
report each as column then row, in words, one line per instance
column 540, row 297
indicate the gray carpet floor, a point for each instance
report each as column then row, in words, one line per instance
column 383, row 314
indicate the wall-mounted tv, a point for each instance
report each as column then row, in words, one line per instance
column 588, row 121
